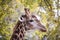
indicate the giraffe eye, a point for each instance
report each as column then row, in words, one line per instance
column 31, row 20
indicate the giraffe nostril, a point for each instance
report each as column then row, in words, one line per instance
column 43, row 30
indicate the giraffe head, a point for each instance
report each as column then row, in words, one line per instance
column 32, row 21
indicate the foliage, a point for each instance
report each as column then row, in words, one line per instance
column 48, row 10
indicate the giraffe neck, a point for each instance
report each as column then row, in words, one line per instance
column 22, row 31
column 19, row 31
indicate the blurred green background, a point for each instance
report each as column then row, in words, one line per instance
column 48, row 10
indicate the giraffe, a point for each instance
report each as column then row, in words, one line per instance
column 26, row 22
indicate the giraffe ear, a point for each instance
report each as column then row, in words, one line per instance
column 38, row 17
column 20, row 19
